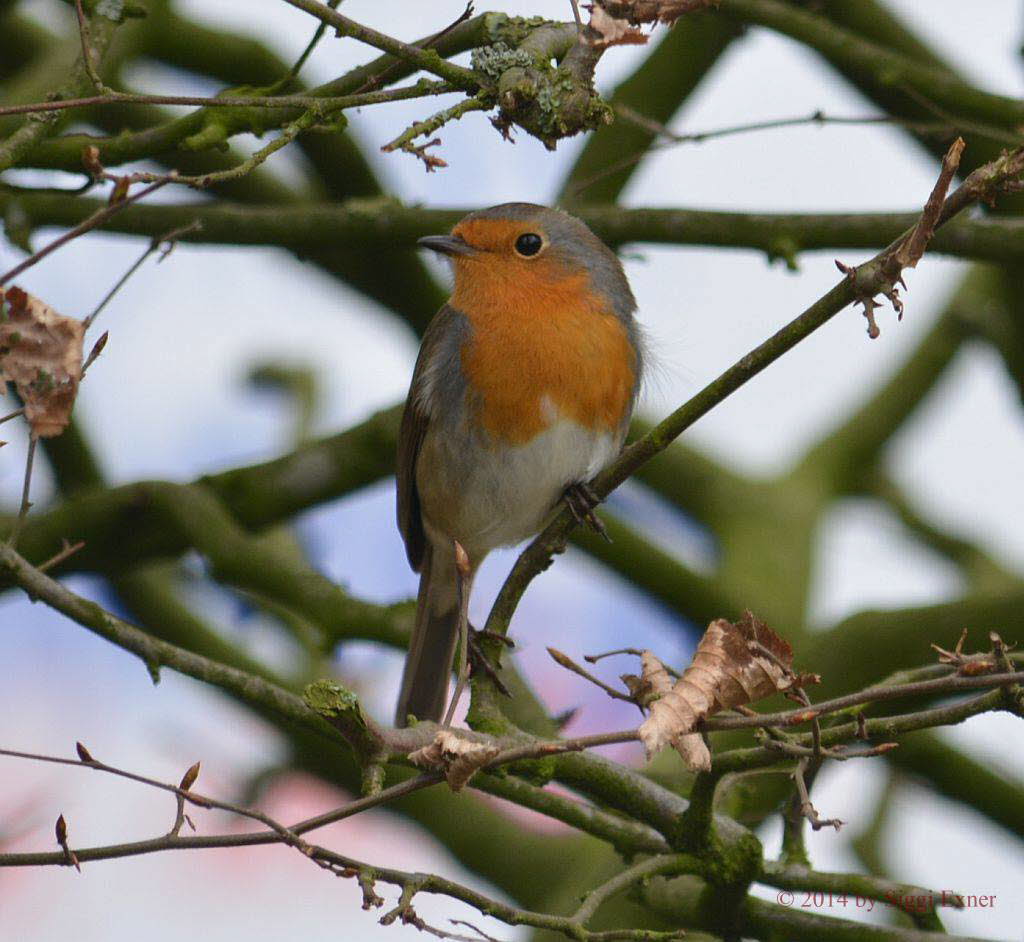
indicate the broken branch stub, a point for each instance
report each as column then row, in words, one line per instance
column 41, row 353
column 735, row 663
column 885, row 272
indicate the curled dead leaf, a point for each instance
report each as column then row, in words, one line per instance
column 654, row 674
column 654, row 11
column 735, row 663
column 606, row 30
column 459, row 759
column 656, row 681
column 41, row 353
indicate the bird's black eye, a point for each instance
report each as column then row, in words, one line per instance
column 529, row 243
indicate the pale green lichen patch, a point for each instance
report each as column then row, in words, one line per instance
column 330, row 699
column 536, row 87
column 495, row 60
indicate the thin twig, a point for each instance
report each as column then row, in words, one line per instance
column 815, row 117
column 652, row 866
column 67, row 549
column 768, row 754
column 435, row 122
column 12, row 539
column 461, row 77
column 563, row 660
column 97, row 219
column 344, row 866
column 947, row 127
column 87, row 62
column 347, row 810
column 876, row 693
column 375, row 81
column 421, row 89
column 543, row 748
column 806, row 808
column 293, row 72
column 483, row 935
column 168, row 239
column 635, row 652
column 839, row 753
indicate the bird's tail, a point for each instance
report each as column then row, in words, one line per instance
column 428, row 665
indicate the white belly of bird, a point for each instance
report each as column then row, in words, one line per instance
column 510, row 492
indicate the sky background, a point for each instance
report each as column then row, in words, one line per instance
column 169, row 400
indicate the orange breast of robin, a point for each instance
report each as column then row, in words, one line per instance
column 543, row 345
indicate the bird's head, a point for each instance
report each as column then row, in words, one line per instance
column 520, row 254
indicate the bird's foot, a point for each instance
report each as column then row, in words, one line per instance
column 478, row 662
column 582, row 500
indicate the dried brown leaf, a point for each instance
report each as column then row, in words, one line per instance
column 656, row 681
column 693, row 751
column 654, row 11
column 41, row 353
column 459, row 759
column 606, row 30
column 735, row 663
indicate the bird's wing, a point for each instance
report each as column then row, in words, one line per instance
column 441, row 343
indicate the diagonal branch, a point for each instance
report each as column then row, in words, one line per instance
column 156, row 654
column 427, row 60
column 871, row 278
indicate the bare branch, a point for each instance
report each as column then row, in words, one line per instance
column 569, row 664
column 165, row 245
column 94, row 221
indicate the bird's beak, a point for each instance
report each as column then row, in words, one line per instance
column 446, row 245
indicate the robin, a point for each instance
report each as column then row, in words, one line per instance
column 523, row 390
